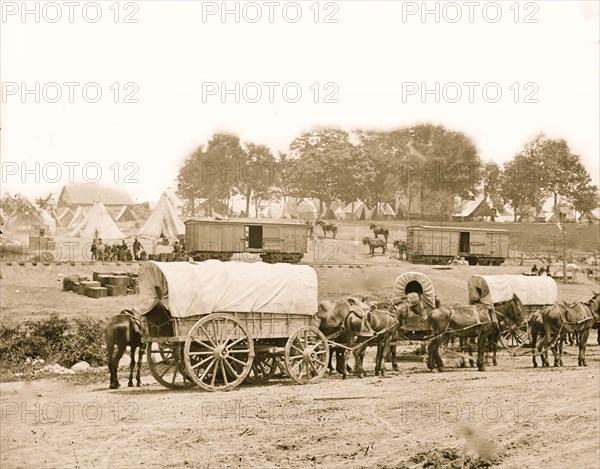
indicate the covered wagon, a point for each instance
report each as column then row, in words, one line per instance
column 215, row 324
column 534, row 292
column 415, row 282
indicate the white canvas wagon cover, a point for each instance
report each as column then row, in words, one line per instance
column 492, row 289
column 190, row 289
column 404, row 285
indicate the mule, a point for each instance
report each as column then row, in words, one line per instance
column 385, row 320
column 327, row 227
column 476, row 320
column 379, row 230
column 121, row 331
column 375, row 244
column 332, row 315
column 561, row 318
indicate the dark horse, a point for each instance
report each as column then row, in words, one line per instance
column 380, row 230
column 560, row 319
column 121, row 331
column 476, row 320
column 327, row 227
column 332, row 315
column 374, row 244
column 385, row 322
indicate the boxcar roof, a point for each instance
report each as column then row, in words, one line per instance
column 190, row 289
column 456, row 228
column 249, row 221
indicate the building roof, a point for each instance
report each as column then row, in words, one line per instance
column 88, row 193
column 455, row 228
column 249, row 221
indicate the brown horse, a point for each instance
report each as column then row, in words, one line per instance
column 560, row 319
column 332, row 315
column 375, row 244
column 476, row 320
column 385, row 320
column 379, row 230
column 536, row 328
column 327, row 227
column 121, row 331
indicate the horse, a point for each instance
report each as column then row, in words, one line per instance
column 401, row 246
column 374, row 244
column 478, row 320
column 379, row 230
column 385, row 323
column 327, row 227
column 121, row 331
column 560, row 318
column 332, row 315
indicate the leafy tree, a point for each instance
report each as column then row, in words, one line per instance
column 46, row 203
column 320, row 155
column 213, row 172
column 257, row 174
column 520, row 185
column 492, row 177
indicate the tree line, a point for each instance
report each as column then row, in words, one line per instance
column 428, row 163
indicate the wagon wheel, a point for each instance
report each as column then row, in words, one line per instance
column 166, row 366
column 263, row 369
column 218, row 352
column 513, row 336
column 306, row 355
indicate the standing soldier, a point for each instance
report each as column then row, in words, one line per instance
column 94, row 250
column 137, row 247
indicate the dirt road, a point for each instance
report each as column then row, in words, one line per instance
column 511, row 415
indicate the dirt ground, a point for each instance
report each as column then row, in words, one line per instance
column 511, row 416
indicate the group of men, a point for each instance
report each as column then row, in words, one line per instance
column 542, row 271
column 116, row 252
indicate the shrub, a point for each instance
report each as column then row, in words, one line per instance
column 56, row 340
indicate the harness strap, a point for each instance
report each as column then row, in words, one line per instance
column 476, row 313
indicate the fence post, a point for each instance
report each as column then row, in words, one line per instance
column 521, row 261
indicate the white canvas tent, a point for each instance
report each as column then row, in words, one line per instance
column 163, row 222
column 333, row 212
column 307, row 210
column 383, row 211
column 97, row 224
column 358, row 212
column 78, row 217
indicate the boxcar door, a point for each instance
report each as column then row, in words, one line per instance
column 254, row 237
column 465, row 242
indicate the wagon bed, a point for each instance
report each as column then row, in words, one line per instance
column 215, row 324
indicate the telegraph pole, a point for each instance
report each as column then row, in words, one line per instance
column 563, row 231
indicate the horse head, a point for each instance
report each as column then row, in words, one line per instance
column 594, row 303
column 518, row 309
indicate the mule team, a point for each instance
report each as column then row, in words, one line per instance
column 356, row 324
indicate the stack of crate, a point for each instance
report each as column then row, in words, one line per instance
column 117, row 285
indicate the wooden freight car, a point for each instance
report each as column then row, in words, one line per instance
column 440, row 244
column 273, row 240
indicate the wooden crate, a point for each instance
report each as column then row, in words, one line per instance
column 96, row 292
column 83, row 286
column 119, row 280
column 116, row 290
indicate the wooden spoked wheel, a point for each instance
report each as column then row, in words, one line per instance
column 166, row 365
column 513, row 336
column 306, row 355
column 218, row 353
column 263, row 369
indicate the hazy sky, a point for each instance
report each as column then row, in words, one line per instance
column 372, row 63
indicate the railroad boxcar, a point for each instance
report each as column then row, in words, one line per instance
column 440, row 244
column 273, row 240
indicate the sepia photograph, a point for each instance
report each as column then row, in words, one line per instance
column 300, row 234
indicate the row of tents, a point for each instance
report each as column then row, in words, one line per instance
column 306, row 209
column 96, row 221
